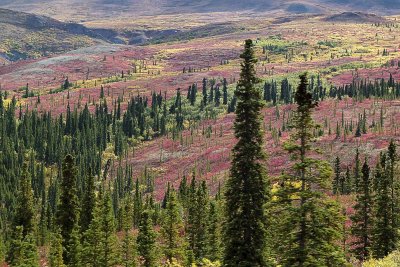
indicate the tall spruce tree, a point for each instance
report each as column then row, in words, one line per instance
column 101, row 247
column 361, row 227
column 394, row 190
column 88, row 203
column 24, row 221
column 247, row 189
column 2, row 248
column 200, row 221
column 24, row 214
column 55, row 255
column 68, row 207
column 357, row 171
column 146, row 241
column 24, row 250
column 110, row 254
column 172, row 229
column 383, row 233
column 93, row 238
column 128, row 250
column 385, row 228
column 336, row 180
column 213, row 233
column 310, row 223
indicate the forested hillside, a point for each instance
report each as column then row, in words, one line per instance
column 242, row 141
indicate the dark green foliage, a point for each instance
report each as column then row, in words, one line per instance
column 246, row 189
column 88, row 203
column 204, row 91
column 309, row 224
column 24, row 213
column 23, row 250
column 68, row 208
column 197, row 219
column 348, row 182
column 101, row 246
column 382, row 233
column 92, row 245
column 357, row 171
column 336, row 187
column 362, row 219
column 214, row 233
column 225, row 92
column 2, row 248
column 128, row 250
column 385, row 229
column 172, row 229
column 56, row 251
column 146, row 241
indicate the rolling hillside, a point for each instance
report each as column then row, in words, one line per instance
column 26, row 35
column 92, row 9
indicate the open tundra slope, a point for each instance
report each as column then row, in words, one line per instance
column 25, row 35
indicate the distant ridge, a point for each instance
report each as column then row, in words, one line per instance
column 40, row 22
column 81, row 10
column 355, row 17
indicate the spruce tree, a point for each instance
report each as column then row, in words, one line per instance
column 2, row 248
column 128, row 250
column 146, row 241
column 110, row 255
column 348, row 182
column 199, row 244
column 137, row 205
column 68, row 207
column 309, row 222
column 361, row 228
column 336, row 180
column 172, row 229
column 101, row 247
column 385, row 227
column 213, row 233
column 23, row 249
column 128, row 258
column 357, row 171
column 395, row 190
column 56, row 251
column 383, row 233
column 75, row 248
column 24, row 214
column 88, row 203
column 93, row 238
column 225, row 92
column 246, row 188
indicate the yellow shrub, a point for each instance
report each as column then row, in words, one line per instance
column 392, row 260
column 204, row 263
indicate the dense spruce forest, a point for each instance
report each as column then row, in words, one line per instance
column 62, row 204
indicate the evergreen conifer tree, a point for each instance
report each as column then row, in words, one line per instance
column 362, row 223
column 213, row 233
column 383, row 233
column 247, row 188
column 89, row 201
column 56, row 250
column 24, row 214
column 172, row 229
column 23, row 250
column 68, row 208
column 309, row 222
column 146, row 241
